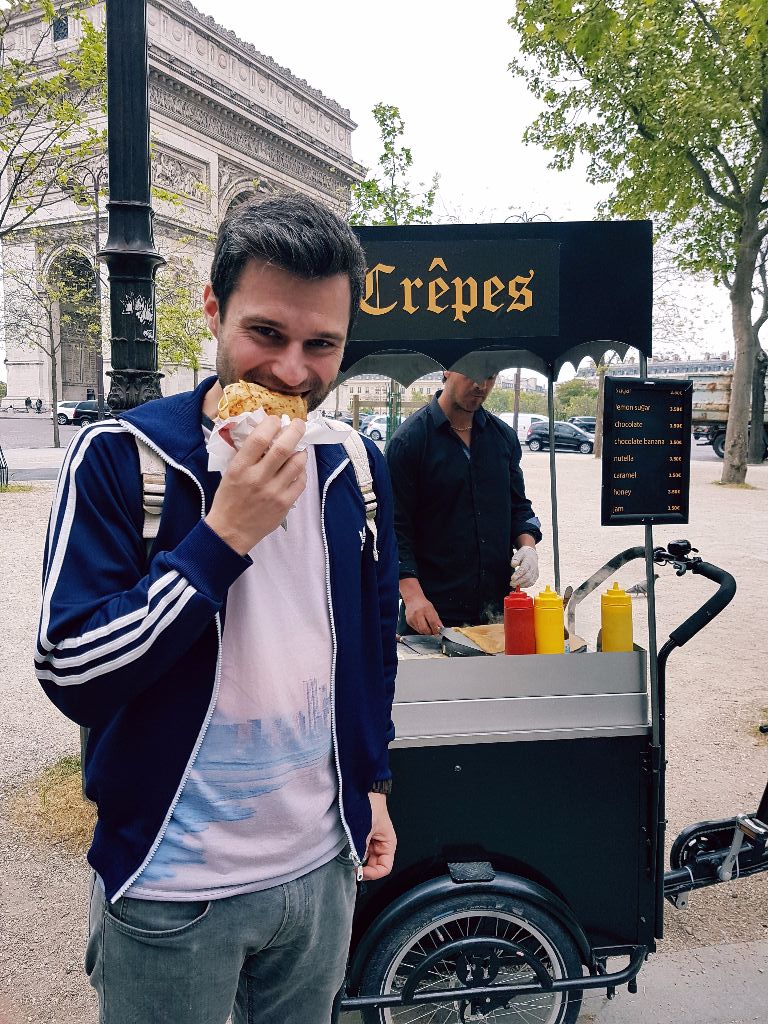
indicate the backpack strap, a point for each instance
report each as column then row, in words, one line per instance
column 152, row 469
column 358, row 456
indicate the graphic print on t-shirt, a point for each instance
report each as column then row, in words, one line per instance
column 238, row 762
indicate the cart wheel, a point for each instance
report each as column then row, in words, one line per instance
column 479, row 916
column 534, row 446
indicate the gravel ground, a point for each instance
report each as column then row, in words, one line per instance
column 717, row 694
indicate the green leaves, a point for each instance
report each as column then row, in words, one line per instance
column 388, row 199
column 181, row 325
column 48, row 94
column 664, row 97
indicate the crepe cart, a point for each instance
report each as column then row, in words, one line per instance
column 529, row 791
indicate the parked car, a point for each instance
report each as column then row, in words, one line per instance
column 524, row 420
column 85, row 412
column 376, row 427
column 568, row 437
column 64, row 412
column 585, row 422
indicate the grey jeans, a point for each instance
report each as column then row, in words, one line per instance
column 272, row 957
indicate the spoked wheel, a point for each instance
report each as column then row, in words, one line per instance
column 542, row 945
column 534, row 446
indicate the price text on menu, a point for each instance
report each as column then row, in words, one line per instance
column 646, row 451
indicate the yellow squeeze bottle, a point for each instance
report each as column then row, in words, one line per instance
column 616, row 619
column 548, row 622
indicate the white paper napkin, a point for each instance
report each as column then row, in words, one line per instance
column 320, row 430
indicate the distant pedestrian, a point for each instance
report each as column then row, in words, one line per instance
column 28, row 404
column 39, row 406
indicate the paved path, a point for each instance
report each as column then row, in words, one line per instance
column 33, row 463
column 709, row 985
column 725, row 984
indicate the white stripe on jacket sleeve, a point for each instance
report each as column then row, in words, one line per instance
column 165, row 599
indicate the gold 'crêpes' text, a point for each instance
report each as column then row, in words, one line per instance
column 438, row 295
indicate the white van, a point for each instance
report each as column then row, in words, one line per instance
column 524, row 420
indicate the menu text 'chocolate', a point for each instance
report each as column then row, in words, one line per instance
column 646, row 451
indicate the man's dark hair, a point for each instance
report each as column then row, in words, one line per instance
column 293, row 232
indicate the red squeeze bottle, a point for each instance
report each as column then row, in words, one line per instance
column 519, row 637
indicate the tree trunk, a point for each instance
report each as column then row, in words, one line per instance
column 55, row 396
column 756, row 449
column 735, row 456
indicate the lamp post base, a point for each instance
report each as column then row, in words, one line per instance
column 130, row 388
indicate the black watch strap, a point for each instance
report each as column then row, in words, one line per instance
column 382, row 786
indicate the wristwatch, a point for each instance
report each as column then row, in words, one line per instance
column 382, row 786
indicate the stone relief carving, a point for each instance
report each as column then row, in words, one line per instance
column 183, row 177
column 229, row 173
column 254, row 143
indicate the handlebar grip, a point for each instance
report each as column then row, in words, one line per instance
column 701, row 618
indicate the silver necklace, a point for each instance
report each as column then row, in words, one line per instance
column 461, row 430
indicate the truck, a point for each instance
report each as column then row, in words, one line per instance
column 711, row 402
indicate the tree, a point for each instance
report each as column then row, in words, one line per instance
column 50, row 306
column 389, row 199
column 181, row 324
column 46, row 101
column 757, row 431
column 503, row 400
column 575, row 398
column 668, row 99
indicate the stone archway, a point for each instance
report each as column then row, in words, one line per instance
column 77, row 316
column 243, row 194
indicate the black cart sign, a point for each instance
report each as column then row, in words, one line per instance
column 646, row 451
column 450, row 289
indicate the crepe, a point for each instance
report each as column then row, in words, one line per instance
column 246, row 397
column 488, row 638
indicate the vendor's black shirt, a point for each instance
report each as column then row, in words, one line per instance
column 458, row 511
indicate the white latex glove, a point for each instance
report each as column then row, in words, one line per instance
column 525, row 563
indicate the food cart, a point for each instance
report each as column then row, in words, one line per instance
column 529, row 791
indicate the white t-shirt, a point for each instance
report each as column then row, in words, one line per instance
column 260, row 806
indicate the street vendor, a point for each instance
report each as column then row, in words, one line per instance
column 465, row 529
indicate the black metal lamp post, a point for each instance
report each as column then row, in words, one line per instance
column 130, row 253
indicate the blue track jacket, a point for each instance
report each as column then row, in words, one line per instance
column 130, row 646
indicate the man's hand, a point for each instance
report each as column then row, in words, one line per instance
column 260, row 485
column 420, row 614
column 381, row 842
column 525, row 563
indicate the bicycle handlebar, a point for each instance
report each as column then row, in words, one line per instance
column 701, row 618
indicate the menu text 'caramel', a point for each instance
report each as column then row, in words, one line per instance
column 646, row 451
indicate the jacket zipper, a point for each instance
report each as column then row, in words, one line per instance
column 216, row 684
column 354, row 856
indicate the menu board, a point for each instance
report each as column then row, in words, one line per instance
column 646, row 450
